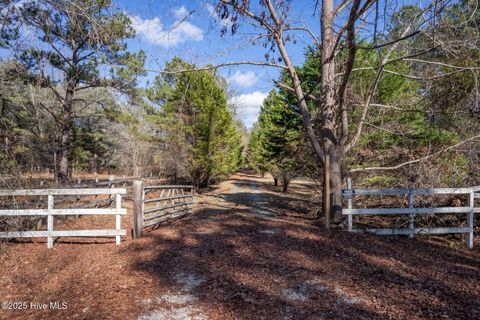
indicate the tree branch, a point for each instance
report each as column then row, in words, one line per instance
column 249, row 14
column 306, row 118
column 342, row 6
column 307, row 30
column 441, row 64
column 389, row 43
column 397, row 133
column 372, row 91
column 352, row 50
column 292, row 90
column 416, row 160
column 221, row 65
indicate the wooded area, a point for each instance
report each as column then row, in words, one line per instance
column 72, row 103
column 385, row 93
column 391, row 96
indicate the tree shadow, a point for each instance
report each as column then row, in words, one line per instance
column 272, row 204
column 255, row 268
column 238, row 273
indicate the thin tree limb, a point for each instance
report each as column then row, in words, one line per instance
column 438, row 63
column 372, row 91
column 221, row 65
column 292, row 90
column 401, row 165
column 307, row 30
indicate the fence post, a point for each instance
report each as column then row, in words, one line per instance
column 137, row 208
column 50, row 222
column 471, row 204
column 111, row 184
column 350, row 206
column 411, row 216
column 79, row 183
column 111, row 181
column 118, row 217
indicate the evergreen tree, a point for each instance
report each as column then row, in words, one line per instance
column 199, row 126
column 255, row 153
column 277, row 138
column 78, row 38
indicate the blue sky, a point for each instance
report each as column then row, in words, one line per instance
column 189, row 29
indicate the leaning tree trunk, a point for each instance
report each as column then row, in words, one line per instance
column 327, row 104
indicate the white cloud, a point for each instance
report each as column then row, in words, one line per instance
column 180, row 13
column 153, row 31
column 244, row 79
column 248, row 106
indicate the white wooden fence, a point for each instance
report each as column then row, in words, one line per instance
column 411, row 211
column 50, row 212
column 168, row 202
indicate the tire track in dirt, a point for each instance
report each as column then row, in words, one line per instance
column 182, row 304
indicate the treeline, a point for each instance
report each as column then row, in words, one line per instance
column 70, row 100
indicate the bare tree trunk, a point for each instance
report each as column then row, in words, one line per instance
column 336, row 180
column 66, row 136
column 330, row 142
column 326, row 191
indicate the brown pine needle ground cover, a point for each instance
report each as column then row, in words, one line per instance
column 247, row 252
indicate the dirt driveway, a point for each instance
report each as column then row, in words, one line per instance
column 248, row 252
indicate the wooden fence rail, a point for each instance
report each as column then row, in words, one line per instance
column 50, row 212
column 174, row 201
column 8, row 182
column 411, row 211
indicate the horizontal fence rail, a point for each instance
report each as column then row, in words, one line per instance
column 63, row 192
column 111, row 181
column 50, row 212
column 471, row 193
column 166, row 203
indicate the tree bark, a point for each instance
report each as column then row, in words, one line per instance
column 336, row 181
column 65, row 147
column 326, row 191
column 330, row 143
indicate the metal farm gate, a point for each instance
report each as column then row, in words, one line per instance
column 154, row 205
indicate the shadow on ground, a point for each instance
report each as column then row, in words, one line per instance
column 248, row 265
